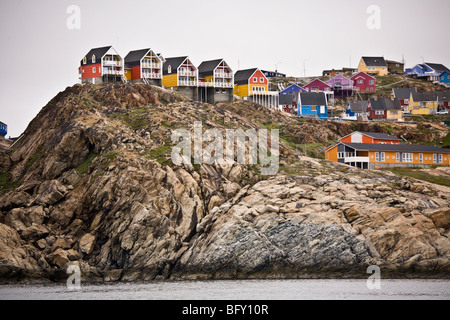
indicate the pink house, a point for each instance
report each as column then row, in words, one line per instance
column 317, row 85
column 363, row 83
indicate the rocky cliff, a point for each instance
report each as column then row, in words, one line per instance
column 91, row 183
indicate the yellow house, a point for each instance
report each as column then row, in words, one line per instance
column 373, row 65
column 423, row 103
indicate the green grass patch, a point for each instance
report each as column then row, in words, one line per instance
column 31, row 160
column 6, row 184
column 83, row 168
column 416, row 173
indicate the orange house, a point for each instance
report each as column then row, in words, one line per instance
column 370, row 137
column 377, row 156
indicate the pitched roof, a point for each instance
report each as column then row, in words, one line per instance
column 317, row 80
column 396, row 147
column 437, row 67
column 358, row 106
column 98, row 52
column 292, row 89
column 242, row 76
column 385, row 104
column 134, row 58
column 375, row 61
column 443, row 96
column 394, row 62
column 174, row 63
column 424, row 96
column 403, row 93
column 207, row 68
column 362, row 74
column 313, row 99
column 286, row 99
column 381, row 136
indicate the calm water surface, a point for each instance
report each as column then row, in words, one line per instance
column 236, row 290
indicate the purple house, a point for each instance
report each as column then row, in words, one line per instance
column 342, row 86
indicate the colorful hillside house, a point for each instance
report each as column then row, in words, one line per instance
column 403, row 94
column 373, row 65
column 144, row 66
column 215, row 81
column 318, row 85
column 356, row 111
column 3, row 129
column 395, row 67
column 423, row 103
column 102, row 65
column 445, row 78
column 252, row 85
column 363, row 83
column 289, row 98
column 180, row 74
column 377, row 156
column 428, row 71
column 313, row 105
column 342, row 86
column 385, row 109
column 443, row 100
column 250, row 81
column 370, row 137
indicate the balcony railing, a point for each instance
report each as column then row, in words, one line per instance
column 187, row 83
column 151, row 75
column 151, row 65
column 187, row 73
column 111, row 63
column 223, row 75
column 215, row 84
column 224, row 85
column 263, row 93
column 356, row 159
column 113, row 72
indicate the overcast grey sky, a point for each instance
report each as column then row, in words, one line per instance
column 40, row 54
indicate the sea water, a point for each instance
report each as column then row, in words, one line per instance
column 236, row 290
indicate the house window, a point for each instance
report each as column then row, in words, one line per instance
column 371, row 82
column 315, row 89
column 360, row 82
column 371, row 89
column 437, row 158
column 169, row 69
column 93, row 58
column 94, row 70
column 379, row 113
column 255, row 80
column 84, row 60
column 407, row 157
column 421, row 157
column 261, row 80
column 406, row 101
column 367, row 89
column 379, row 156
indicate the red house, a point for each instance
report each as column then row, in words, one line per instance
column 318, row 85
column 101, row 65
column 363, row 83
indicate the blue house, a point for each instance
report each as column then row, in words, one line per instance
column 312, row 105
column 3, row 129
column 430, row 71
column 444, row 77
column 356, row 111
column 289, row 98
